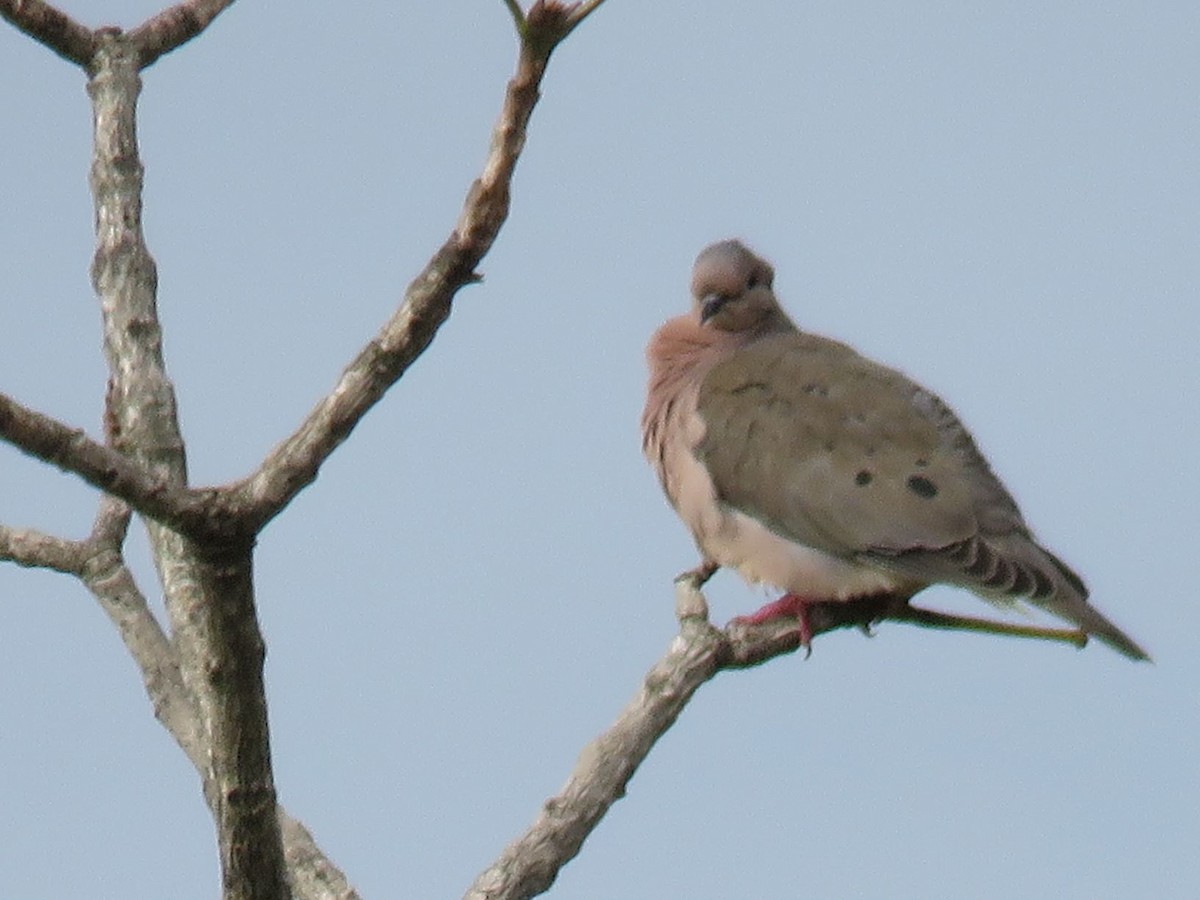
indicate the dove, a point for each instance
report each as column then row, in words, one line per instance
column 809, row 468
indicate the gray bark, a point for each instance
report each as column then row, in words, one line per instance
column 204, row 673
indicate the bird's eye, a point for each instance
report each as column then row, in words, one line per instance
column 752, row 282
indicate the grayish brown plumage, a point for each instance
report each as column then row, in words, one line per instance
column 808, row 467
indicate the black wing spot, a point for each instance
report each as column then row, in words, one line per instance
column 863, row 478
column 922, row 486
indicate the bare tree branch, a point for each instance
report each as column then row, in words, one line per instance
column 294, row 463
column 529, row 865
column 158, row 35
column 518, row 15
column 37, row 550
column 205, row 682
column 207, row 585
column 106, row 575
column 71, row 450
column 52, row 27
column 173, row 27
column 310, row 873
column 99, row 563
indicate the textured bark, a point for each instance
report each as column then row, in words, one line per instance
column 174, row 26
column 103, row 467
column 75, row 42
column 37, row 550
column 106, row 575
column 207, row 587
column 98, row 562
column 205, row 679
column 294, row 464
column 54, row 28
column 529, row 865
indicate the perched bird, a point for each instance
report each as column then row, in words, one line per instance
column 812, row 469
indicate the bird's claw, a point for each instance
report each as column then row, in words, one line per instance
column 789, row 606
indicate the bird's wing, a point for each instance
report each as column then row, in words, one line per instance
column 837, row 452
column 833, row 451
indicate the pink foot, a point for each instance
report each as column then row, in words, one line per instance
column 789, row 606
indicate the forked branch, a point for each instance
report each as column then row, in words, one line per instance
column 221, row 721
column 73, row 41
column 294, row 463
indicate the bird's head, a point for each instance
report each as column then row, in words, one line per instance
column 731, row 290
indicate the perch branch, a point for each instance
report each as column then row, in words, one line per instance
column 294, row 463
column 52, row 27
column 529, row 865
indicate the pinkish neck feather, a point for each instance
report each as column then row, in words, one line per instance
column 680, row 354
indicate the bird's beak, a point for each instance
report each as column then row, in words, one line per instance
column 710, row 305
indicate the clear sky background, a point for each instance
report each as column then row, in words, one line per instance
column 1003, row 200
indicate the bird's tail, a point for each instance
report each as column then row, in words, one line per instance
column 1070, row 601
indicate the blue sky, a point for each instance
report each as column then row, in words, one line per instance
column 1002, row 200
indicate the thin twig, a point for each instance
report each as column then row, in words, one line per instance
column 579, row 12
column 518, row 15
column 294, row 463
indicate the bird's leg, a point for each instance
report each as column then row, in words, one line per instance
column 789, row 606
